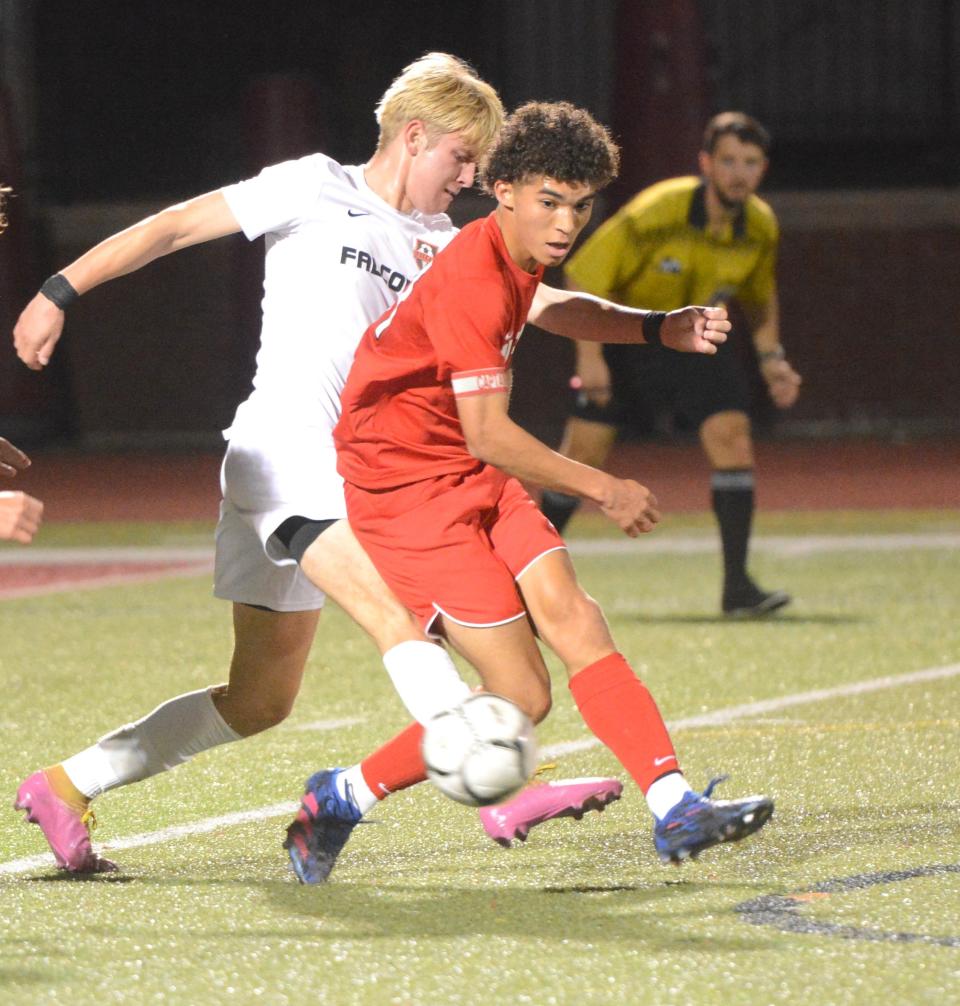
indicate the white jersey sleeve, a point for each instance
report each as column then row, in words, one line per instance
column 280, row 196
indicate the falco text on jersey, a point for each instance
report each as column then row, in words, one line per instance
column 364, row 260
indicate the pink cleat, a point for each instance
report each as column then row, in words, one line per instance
column 64, row 828
column 543, row 801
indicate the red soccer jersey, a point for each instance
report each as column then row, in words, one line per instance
column 453, row 334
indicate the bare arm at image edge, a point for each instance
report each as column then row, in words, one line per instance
column 204, row 218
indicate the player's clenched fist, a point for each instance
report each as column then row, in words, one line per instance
column 631, row 506
column 695, row 329
column 20, row 517
column 37, row 330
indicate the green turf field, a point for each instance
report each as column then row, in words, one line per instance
column 850, row 895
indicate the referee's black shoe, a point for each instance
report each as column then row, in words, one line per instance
column 749, row 601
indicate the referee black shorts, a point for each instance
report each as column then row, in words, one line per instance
column 646, row 382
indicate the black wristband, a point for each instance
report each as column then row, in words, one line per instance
column 652, row 323
column 58, row 290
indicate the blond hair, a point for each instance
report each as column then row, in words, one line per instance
column 446, row 94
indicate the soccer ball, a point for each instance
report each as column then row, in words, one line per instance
column 480, row 751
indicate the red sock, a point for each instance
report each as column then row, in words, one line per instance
column 396, row 765
column 617, row 707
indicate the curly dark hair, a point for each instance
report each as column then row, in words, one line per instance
column 553, row 139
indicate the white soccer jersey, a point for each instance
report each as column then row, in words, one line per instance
column 337, row 257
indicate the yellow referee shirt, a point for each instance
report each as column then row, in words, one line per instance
column 655, row 252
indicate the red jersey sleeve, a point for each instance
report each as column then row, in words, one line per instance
column 469, row 325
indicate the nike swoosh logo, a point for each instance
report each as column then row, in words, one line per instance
column 660, row 761
column 357, row 213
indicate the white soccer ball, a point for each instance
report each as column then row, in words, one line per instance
column 480, row 751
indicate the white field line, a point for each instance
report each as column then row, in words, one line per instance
column 780, row 545
column 347, row 721
column 677, row 544
column 122, row 553
column 722, row 717
column 718, row 717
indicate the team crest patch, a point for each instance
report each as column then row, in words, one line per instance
column 424, row 252
column 670, row 266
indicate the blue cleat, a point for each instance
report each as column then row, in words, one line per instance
column 697, row 822
column 321, row 828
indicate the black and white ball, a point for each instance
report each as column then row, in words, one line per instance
column 480, row 751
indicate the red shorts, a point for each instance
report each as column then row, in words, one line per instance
column 454, row 545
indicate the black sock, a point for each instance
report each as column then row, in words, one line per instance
column 733, row 506
column 558, row 508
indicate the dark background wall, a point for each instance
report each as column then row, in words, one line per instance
column 111, row 110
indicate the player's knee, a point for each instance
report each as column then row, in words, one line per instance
column 542, row 710
column 254, row 721
column 540, row 703
column 533, row 697
column 393, row 624
column 537, row 705
column 383, row 618
column 253, row 711
column 272, row 712
column 726, row 438
column 588, row 454
column 570, row 612
column 577, row 631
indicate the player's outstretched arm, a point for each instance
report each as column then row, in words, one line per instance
column 579, row 315
column 204, row 218
column 494, row 438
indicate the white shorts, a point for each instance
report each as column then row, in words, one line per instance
column 264, row 480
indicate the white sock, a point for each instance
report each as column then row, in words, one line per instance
column 170, row 735
column 425, row 678
column 666, row 793
column 363, row 795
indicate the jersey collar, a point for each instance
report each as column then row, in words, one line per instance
column 523, row 277
column 433, row 221
column 697, row 216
